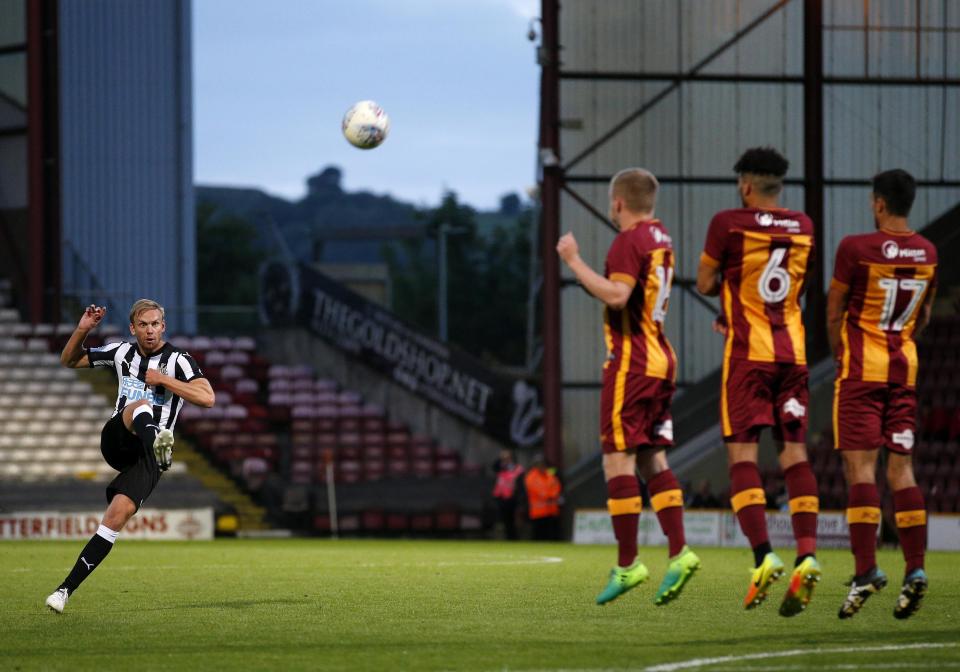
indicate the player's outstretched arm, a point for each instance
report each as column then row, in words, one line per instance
column 613, row 293
column 73, row 355
column 197, row 391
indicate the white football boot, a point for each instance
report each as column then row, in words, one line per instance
column 58, row 600
column 163, row 449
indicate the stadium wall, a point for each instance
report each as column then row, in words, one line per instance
column 126, row 142
column 693, row 135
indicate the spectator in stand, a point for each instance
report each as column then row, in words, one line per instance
column 703, row 497
column 508, row 474
column 543, row 500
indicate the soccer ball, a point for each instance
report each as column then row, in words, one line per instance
column 365, row 125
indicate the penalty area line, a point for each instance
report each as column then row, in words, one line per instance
column 705, row 662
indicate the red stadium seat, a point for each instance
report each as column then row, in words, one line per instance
column 398, row 468
column 373, row 520
column 421, row 522
column 398, row 522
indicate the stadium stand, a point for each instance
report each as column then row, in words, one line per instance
column 50, row 421
column 275, row 429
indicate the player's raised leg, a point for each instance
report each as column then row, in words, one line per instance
column 624, row 505
column 863, row 519
column 666, row 498
column 804, row 507
column 911, row 516
column 749, row 504
column 121, row 509
column 158, row 443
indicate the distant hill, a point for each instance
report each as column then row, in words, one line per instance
column 335, row 226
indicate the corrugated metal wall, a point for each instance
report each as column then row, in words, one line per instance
column 699, row 130
column 127, row 179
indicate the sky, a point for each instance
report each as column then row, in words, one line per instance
column 458, row 78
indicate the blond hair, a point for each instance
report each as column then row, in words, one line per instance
column 637, row 187
column 143, row 305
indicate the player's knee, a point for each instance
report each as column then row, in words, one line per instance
column 900, row 474
column 121, row 510
column 619, row 464
column 651, row 462
column 859, row 468
column 129, row 409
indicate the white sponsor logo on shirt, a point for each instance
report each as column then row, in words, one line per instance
column 891, row 250
column 766, row 219
column 660, row 236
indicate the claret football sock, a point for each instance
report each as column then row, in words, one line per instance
column 144, row 427
column 748, row 502
column 666, row 497
column 90, row 557
column 624, row 505
column 911, row 515
column 804, row 507
column 863, row 518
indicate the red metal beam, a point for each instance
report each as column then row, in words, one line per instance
column 36, row 200
column 550, row 183
column 43, row 237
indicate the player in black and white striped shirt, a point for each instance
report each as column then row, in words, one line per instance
column 154, row 378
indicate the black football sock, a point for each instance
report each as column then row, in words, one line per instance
column 760, row 551
column 90, row 558
column 144, row 427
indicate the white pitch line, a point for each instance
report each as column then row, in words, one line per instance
column 905, row 665
column 704, row 662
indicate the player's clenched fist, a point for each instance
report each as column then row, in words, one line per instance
column 567, row 247
column 154, row 377
column 92, row 316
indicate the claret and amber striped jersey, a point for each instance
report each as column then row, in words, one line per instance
column 641, row 257
column 888, row 277
column 762, row 255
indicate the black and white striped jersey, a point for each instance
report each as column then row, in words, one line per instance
column 131, row 369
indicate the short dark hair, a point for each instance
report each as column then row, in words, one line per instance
column 897, row 188
column 762, row 161
column 764, row 167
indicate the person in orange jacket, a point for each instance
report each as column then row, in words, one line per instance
column 543, row 500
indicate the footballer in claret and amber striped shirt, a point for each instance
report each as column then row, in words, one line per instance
column 641, row 258
column 881, row 296
column 756, row 258
column 886, row 276
column 638, row 381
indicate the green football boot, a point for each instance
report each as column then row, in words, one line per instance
column 679, row 571
column 802, row 582
column 623, row 579
column 761, row 578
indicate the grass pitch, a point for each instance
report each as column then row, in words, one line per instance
column 425, row 605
